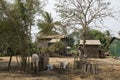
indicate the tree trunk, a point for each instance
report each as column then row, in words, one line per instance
column 17, row 60
column 9, row 64
column 84, row 41
column 9, row 51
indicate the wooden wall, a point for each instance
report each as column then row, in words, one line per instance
column 92, row 51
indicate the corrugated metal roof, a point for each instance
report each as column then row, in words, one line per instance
column 54, row 40
column 90, row 42
column 112, row 39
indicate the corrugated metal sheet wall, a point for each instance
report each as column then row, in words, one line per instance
column 115, row 48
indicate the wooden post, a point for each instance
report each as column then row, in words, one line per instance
column 88, row 66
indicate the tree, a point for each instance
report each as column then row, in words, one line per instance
column 119, row 33
column 16, row 20
column 47, row 26
column 84, row 12
column 94, row 34
column 70, row 41
column 99, row 35
column 107, row 39
column 90, row 34
column 107, row 33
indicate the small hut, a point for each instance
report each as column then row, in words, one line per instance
column 45, row 41
column 91, row 48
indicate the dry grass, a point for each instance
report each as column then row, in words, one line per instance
column 109, row 69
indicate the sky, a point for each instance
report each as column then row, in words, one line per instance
column 112, row 25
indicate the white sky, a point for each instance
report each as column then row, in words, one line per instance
column 112, row 24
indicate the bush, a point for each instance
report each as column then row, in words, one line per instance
column 44, row 50
column 1, row 54
column 57, row 49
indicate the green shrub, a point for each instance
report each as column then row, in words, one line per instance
column 1, row 54
column 57, row 48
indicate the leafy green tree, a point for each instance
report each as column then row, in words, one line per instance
column 94, row 34
column 47, row 25
column 107, row 39
column 70, row 41
column 16, row 20
column 99, row 35
column 90, row 34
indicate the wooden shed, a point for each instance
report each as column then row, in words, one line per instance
column 114, row 46
column 50, row 39
column 91, row 48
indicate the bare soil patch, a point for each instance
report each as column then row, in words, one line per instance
column 109, row 69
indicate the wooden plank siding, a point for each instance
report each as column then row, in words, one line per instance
column 92, row 51
column 91, row 48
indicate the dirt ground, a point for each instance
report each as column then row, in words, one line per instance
column 109, row 69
